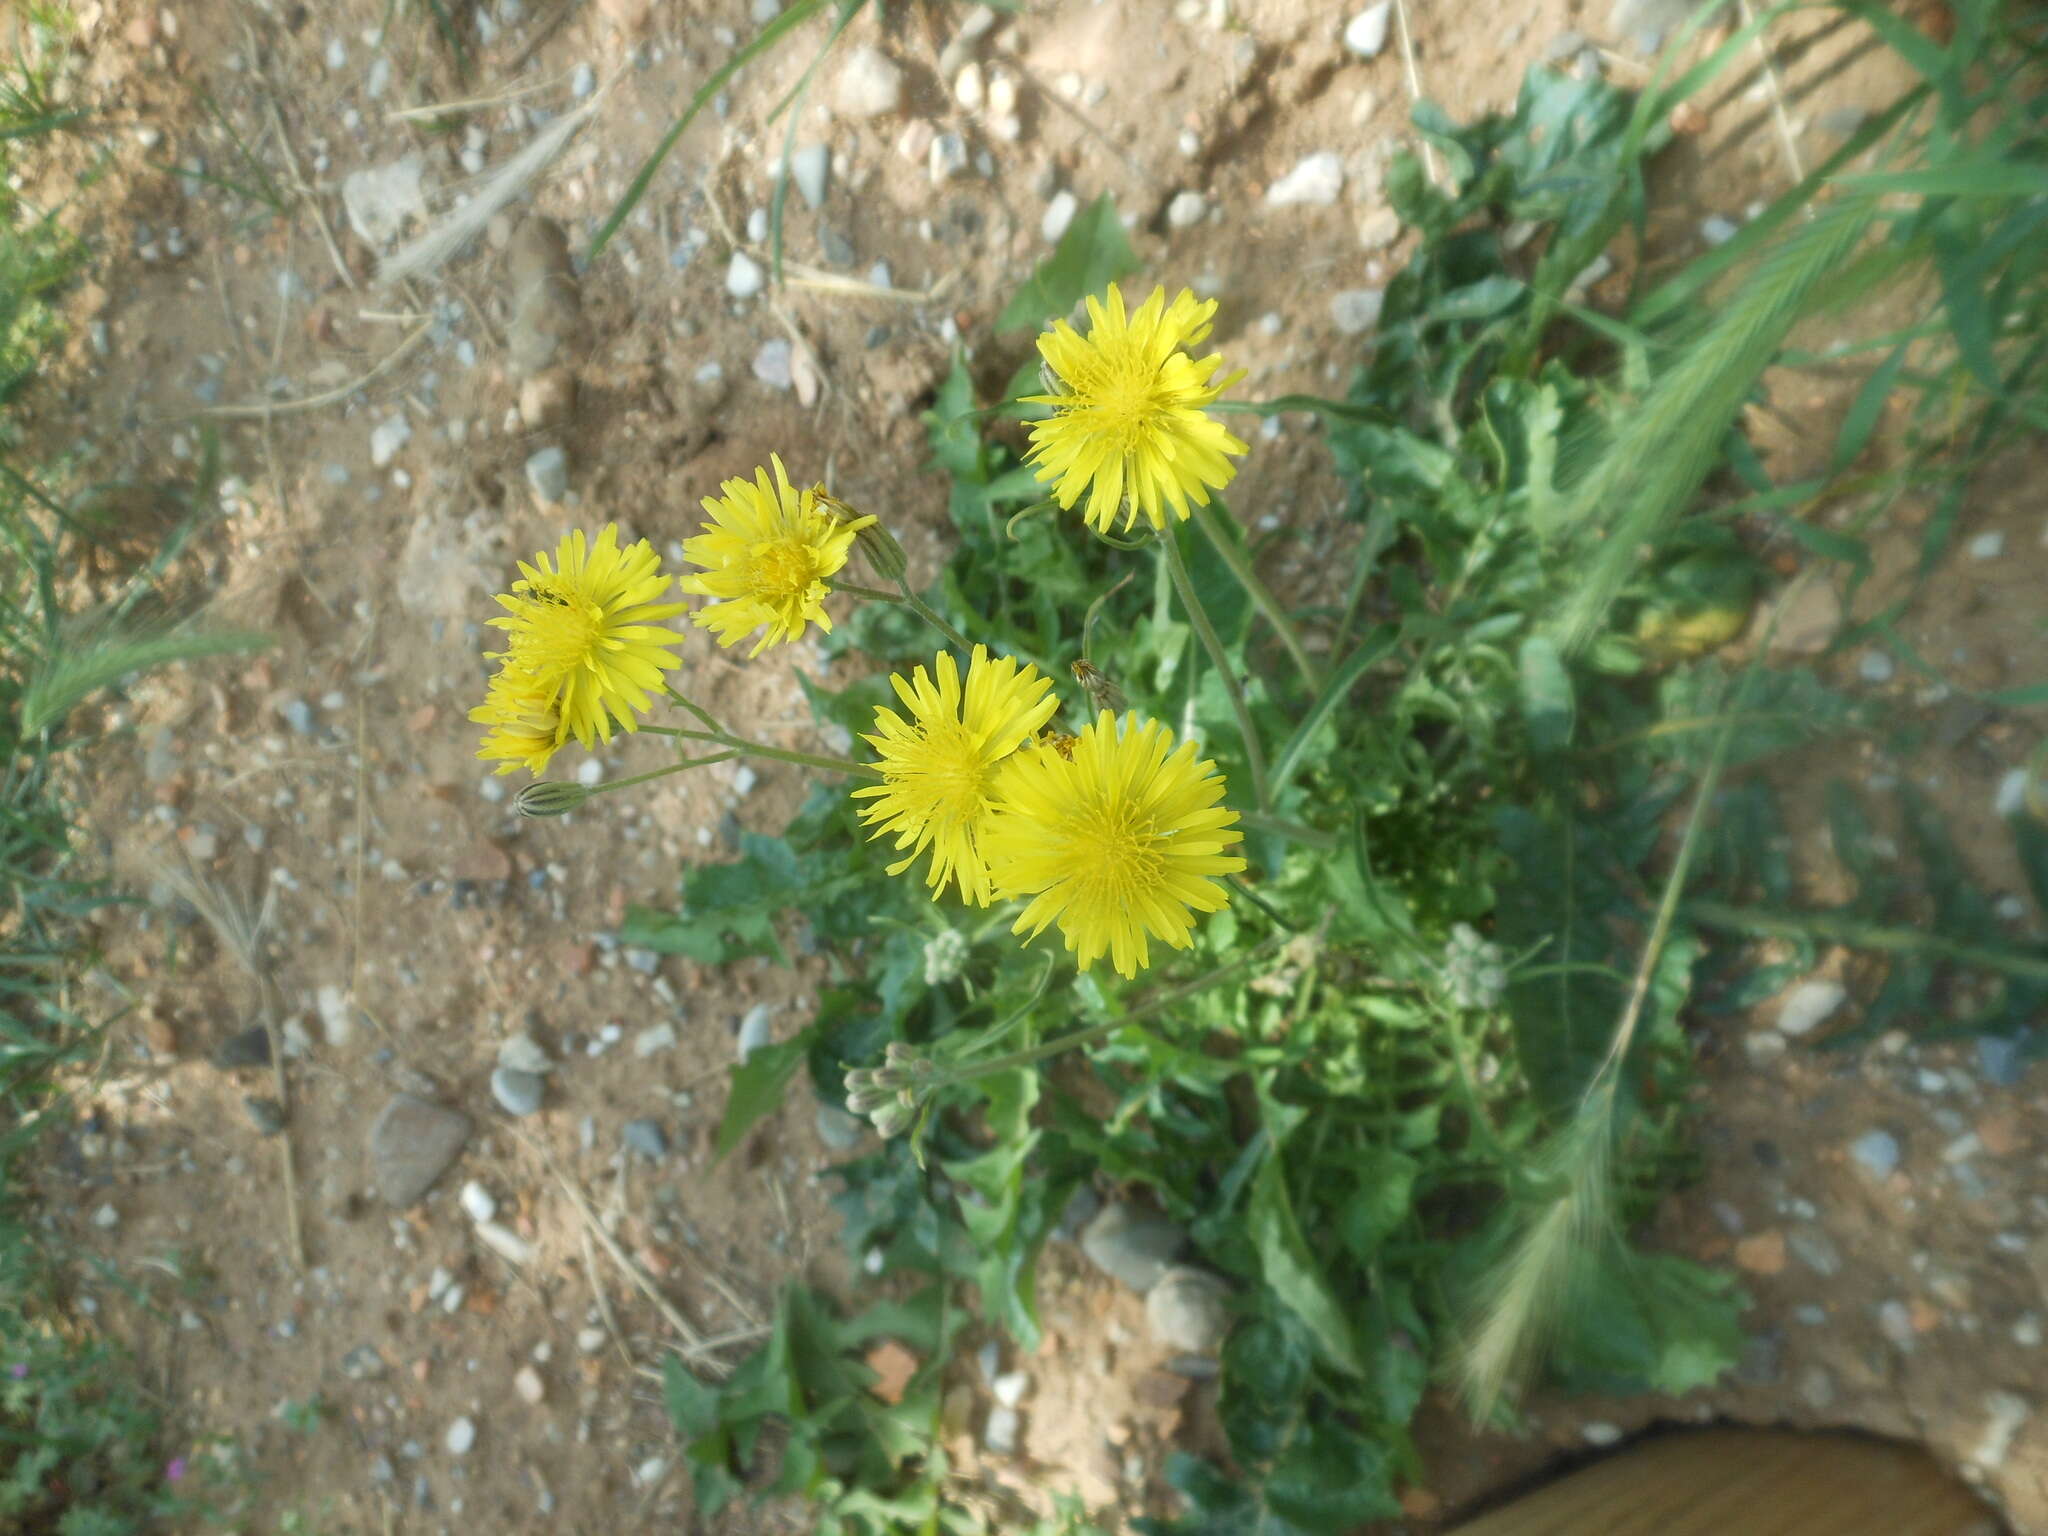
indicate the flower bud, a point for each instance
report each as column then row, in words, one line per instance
column 894, row 1118
column 550, row 797
column 885, row 556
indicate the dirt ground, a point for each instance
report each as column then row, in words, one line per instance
column 411, row 924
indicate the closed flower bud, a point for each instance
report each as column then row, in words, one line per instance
column 550, row 797
column 894, row 1118
column 885, row 556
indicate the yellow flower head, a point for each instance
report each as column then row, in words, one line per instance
column 939, row 767
column 525, row 728
column 1119, row 844
column 766, row 553
column 1127, row 425
column 585, row 632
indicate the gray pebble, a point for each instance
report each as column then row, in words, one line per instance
column 1355, row 311
column 298, row 714
column 2001, row 1058
column 646, row 1137
column 1131, row 1245
column 1875, row 667
column 583, row 82
column 518, row 1093
column 267, row 1115
column 1815, row 1249
column 548, row 473
column 246, row 1048
column 1810, row 1005
column 412, row 1142
column 840, row 1131
column 1877, row 1152
column 773, row 363
column 1817, row 1388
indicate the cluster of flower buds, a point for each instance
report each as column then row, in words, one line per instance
column 889, row 1095
column 1473, row 969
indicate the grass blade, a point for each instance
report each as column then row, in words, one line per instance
column 643, row 178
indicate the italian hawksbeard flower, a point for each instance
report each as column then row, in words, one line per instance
column 525, row 727
column 586, row 641
column 1119, row 844
column 766, row 553
column 1128, row 426
column 939, row 766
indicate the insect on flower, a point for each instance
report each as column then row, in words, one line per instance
column 1102, row 692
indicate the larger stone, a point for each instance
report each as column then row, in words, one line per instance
column 411, row 1144
column 1130, row 1245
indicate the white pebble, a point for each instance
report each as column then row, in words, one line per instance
column 504, row 1242
column 387, row 437
column 106, row 1217
column 1716, row 230
column 1987, row 546
column 477, row 1201
column 527, row 1383
column 583, row 82
column 870, row 84
column 1315, row 179
column 649, row 1472
column 1599, row 1433
column 1010, row 1388
column 590, row 1340
column 661, row 1037
column 968, row 88
column 743, row 780
column 590, row 773
column 1356, row 310
column 743, row 276
column 1875, row 667
column 1186, row 209
column 2011, row 796
column 1000, row 1435
column 461, row 1436
column 1059, row 213
column 1809, row 1005
column 1366, row 33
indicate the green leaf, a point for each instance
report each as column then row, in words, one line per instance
column 1380, row 1203
column 1291, row 1269
column 1091, row 255
column 1648, row 1323
column 1547, row 701
column 1865, row 410
column 758, row 1084
column 692, row 1406
column 1331, row 1479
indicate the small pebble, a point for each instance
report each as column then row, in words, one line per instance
column 2010, row 798
column 461, row 1436
column 106, row 1218
column 999, row 1436
column 1716, row 230
column 590, row 1340
column 1355, row 311
column 1875, row 667
column 527, row 1383
column 1059, row 213
column 547, row 472
column 743, row 276
column 583, row 81
column 810, row 167
column 1009, row 1388
column 477, row 1201
column 1186, row 210
column 1366, row 33
column 661, row 1037
column 522, row 1053
column 1600, row 1433
column 1877, row 1152
column 646, row 1137
column 518, row 1093
column 2005, row 1413
column 387, row 437
column 1809, row 1005
column 1315, row 180
column 1987, row 546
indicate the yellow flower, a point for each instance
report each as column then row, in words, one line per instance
column 939, row 767
column 766, row 553
column 525, row 728
column 585, row 633
column 1127, row 424
column 1119, row 844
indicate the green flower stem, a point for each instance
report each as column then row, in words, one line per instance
column 968, row 1071
column 1294, row 832
column 662, row 773
column 872, row 594
column 1234, row 556
column 1859, row 934
column 709, row 723
column 1213, row 644
column 744, row 748
column 926, row 612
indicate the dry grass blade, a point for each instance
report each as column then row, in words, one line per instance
column 493, row 191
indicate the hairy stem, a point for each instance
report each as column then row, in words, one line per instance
column 1213, row 644
column 1210, row 520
